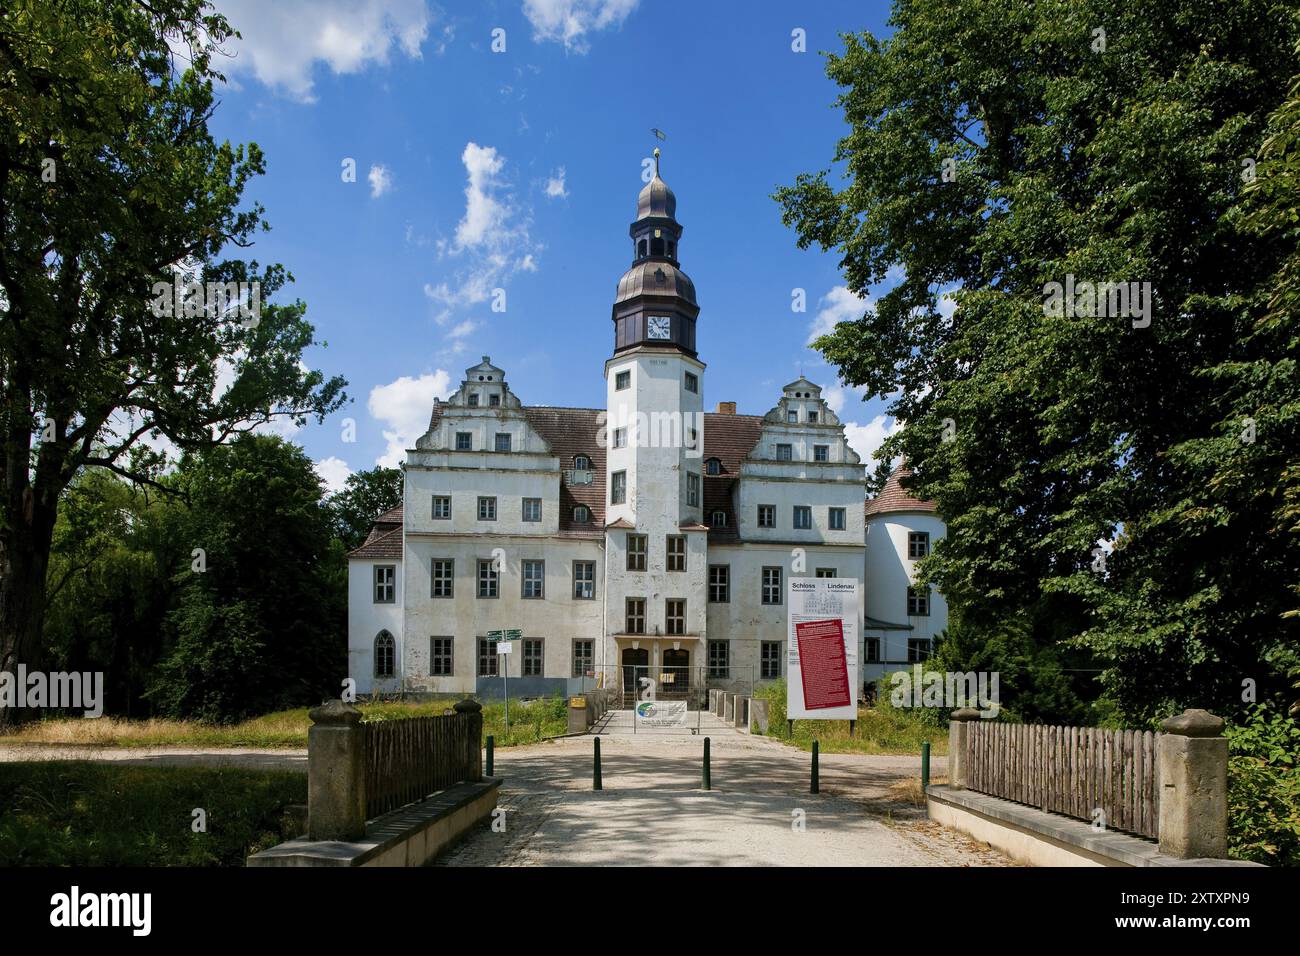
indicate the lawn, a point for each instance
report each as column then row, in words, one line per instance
column 286, row 729
column 75, row 813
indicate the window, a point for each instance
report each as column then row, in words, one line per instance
column 718, row 519
column 675, row 616
column 636, row 615
column 488, row 578
column 792, row 415
column 442, row 507
column 622, row 380
column 821, row 452
column 473, row 399
column 534, row 579
column 385, row 656
column 802, row 517
column 584, row 580
column 494, row 400
column 692, row 382
column 812, row 416
column 464, row 441
column 767, row 516
column 503, row 441
column 487, row 509
column 872, row 650
column 692, row 438
column 440, row 656
column 918, row 602
column 918, row 649
column 769, row 663
column 618, row 488
column 719, row 583
column 581, row 514
column 637, row 545
column 719, row 659
column 918, row 544
column 836, row 519
column 692, row 490
column 584, row 657
column 533, row 657
column 532, row 509
column 784, row 453
column 826, row 572
column 620, row 438
column 676, row 552
column 581, row 463
column 713, row 466
column 487, row 657
column 442, row 573
column 385, row 583
column 771, row 586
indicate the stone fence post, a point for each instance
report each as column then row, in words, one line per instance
column 472, row 712
column 336, row 773
column 1192, row 774
column 958, row 732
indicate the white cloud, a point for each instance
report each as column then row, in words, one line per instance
column 282, row 42
column 333, row 472
column 403, row 406
column 555, row 186
column 838, row 305
column 569, row 21
column 381, row 180
column 485, row 213
column 865, row 439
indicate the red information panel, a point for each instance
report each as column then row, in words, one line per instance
column 822, row 665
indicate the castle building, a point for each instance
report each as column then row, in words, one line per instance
column 645, row 538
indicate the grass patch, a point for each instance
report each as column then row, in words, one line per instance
column 285, row 729
column 880, row 730
column 75, row 813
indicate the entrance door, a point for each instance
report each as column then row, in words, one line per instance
column 676, row 674
column 636, row 664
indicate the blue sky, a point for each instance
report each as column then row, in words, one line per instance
column 519, row 170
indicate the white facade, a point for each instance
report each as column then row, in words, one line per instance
column 647, row 537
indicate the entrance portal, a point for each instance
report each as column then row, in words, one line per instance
column 636, row 664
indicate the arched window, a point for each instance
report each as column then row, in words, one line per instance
column 581, row 514
column 581, row 463
column 672, row 249
column 641, row 249
column 713, row 466
column 385, row 656
column 719, row 519
column 657, row 247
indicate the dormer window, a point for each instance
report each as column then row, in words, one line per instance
column 713, row 466
column 581, row 463
column 581, row 514
column 792, row 415
column 473, row 399
column 812, row 416
column 494, row 400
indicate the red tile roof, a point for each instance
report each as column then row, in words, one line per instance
column 894, row 497
column 385, row 544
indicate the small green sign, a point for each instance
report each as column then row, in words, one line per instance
column 494, row 636
column 514, row 635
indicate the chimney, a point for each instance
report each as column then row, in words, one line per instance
column 726, row 408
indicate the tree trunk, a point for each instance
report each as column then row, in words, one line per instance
column 25, row 538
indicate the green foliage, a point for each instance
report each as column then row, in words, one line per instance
column 1264, row 788
column 1125, row 165
column 365, row 496
column 880, row 730
column 68, row 813
column 262, row 626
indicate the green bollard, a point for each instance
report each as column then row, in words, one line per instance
column 490, row 743
column 595, row 769
column 816, row 782
column 925, row 766
column 708, row 778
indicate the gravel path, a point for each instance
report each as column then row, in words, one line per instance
column 653, row 812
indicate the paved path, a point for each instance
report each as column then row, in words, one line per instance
column 653, row 812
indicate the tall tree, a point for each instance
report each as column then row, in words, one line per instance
column 997, row 146
column 365, row 495
column 110, row 183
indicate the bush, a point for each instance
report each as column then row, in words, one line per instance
column 1264, row 788
column 882, row 730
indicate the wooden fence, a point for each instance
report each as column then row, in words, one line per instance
column 1069, row 770
column 410, row 758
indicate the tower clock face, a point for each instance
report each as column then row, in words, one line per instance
column 659, row 327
